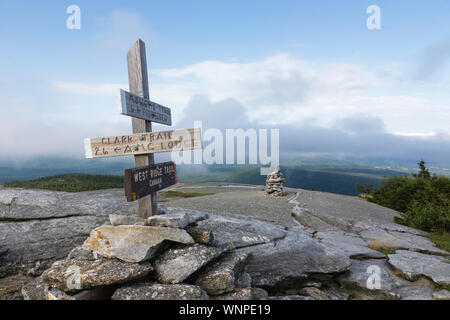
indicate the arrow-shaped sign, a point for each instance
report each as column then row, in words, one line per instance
column 138, row 107
column 143, row 143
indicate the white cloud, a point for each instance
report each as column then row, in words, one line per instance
column 281, row 76
column 416, row 134
column 102, row 89
column 433, row 59
column 284, row 89
column 119, row 29
column 322, row 100
column 359, row 136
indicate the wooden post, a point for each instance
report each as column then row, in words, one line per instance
column 138, row 83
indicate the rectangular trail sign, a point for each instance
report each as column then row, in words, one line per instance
column 142, row 181
column 135, row 106
column 143, row 143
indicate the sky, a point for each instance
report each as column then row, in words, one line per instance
column 312, row 69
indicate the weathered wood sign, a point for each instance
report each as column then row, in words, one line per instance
column 142, row 181
column 143, row 143
column 138, row 85
column 135, row 106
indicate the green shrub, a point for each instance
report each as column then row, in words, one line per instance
column 442, row 241
column 364, row 188
column 428, row 216
column 423, row 200
column 398, row 192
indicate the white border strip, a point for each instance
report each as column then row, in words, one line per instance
column 122, row 102
column 88, row 148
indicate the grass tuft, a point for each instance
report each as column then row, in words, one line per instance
column 441, row 239
column 382, row 245
column 178, row 194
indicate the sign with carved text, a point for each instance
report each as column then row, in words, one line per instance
column 135, row 106
column 142, row 181
column 143, row 143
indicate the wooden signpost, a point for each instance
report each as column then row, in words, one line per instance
column 142, row 182
column 143, row 143
column 135, row 106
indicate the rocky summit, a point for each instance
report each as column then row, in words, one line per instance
column 132, row 243
column 234, row 244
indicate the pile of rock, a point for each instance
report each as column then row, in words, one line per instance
column 163, row 257
column 186, row 253
column 274, row 183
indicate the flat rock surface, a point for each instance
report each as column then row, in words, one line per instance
column 157, row 291
column 32, row 221
column 238, row 201
column 133, row 243
column 119, row 220
column 78, row 274
column 31, row 244
column 200, row 235
column 251, row 202
column 173, row 220
column 331, row 206
column 441, row 295
column 288, row 298
column 243, row 294
column 179, row 262
column 241, row 232
column 221, row 276
column 21, row 204
column 416, row 293
column 293, row 259
column 34, row 290
column 374, row 276
column 177, row 218
column 401, row 240
column 11, row 286
column 415, row 265
column 314, row 293
column 352, row 245
column 98, row 293
column 362, row 225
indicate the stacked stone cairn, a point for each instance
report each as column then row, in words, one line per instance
column 164, row 257
column 274, row 183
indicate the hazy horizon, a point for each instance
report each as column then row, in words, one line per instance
column 334, row 88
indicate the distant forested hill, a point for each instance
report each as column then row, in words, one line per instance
column 332, row 179
column 49, row 166
column 74, row 182
column 84, row 176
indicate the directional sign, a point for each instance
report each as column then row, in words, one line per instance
column 143, row 143
column 142, row 181
column 138, row 107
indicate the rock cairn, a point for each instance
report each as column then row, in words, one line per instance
column 274, row 183
column 163, row 257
